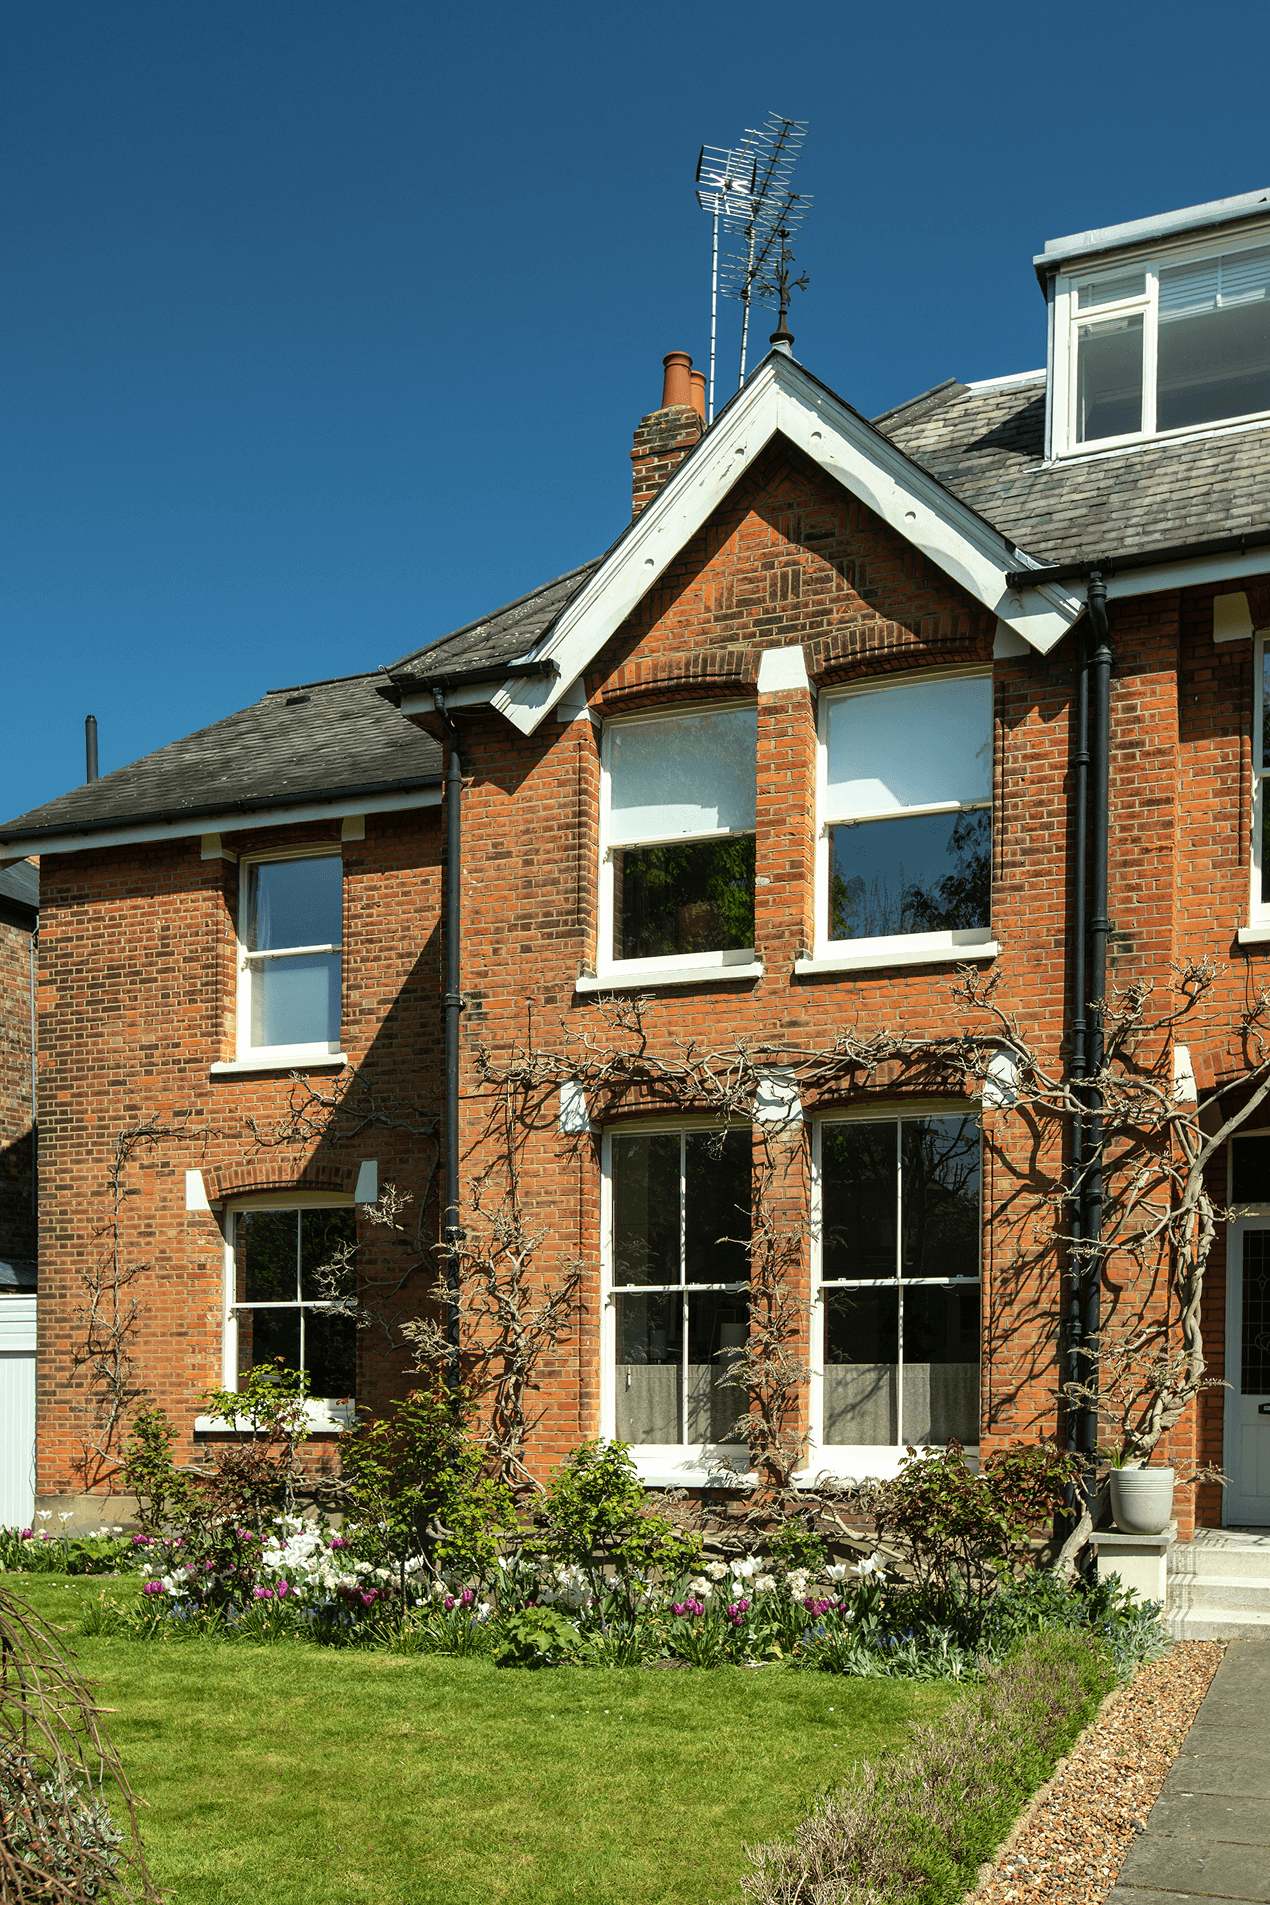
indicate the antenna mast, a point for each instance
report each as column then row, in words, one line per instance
column 759, row 274
column 726, row 180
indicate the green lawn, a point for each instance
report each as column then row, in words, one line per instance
column 303, row 1776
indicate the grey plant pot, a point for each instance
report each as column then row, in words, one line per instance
column 1142, row 1499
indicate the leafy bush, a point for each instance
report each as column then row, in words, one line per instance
column 596, row 1519
column 912, row 1828
column 537, row 1637
column 961, row 1531
column 416, row 1486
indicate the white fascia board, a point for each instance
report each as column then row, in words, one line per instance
column 478, row 695
column 200, row 824
column 1188, row 575
column 781, row 398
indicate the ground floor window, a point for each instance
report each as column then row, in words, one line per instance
column 898, row 1226
column 678, row 1273
column 291, row 1268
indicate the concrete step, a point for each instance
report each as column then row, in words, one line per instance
column 1201, row 1625
column 1244, row 1556
column 1219, row 1594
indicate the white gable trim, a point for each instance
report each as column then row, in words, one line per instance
column 780, row 398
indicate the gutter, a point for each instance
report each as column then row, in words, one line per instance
column 174, row 816
column 1019, row 579
column 464, row 678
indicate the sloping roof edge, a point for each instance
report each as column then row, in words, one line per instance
column 783, row 398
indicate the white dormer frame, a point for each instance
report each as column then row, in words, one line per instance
column 1066, row 319
column 782, row 399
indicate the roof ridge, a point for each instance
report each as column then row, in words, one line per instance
column 325, row 681
column 950, row 387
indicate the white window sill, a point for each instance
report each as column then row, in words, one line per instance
column 632, row 978
column 1254, row 935
column 280, row 1058
column 876, row 953
column 327, row 1416
column 842, row 1463
column 672, row 1467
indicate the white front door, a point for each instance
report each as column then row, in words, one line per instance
column 1247, row 1437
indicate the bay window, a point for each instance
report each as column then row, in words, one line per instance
column 677, row 841
column 896, row 1229
column 678, row 1231
column 1168, row 342
column 905, row 848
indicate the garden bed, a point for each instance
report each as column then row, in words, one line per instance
column 321, row 1776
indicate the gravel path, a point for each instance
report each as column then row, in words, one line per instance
column 1071, row 1842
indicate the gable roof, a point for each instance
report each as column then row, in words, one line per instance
column 577, row 613
column 330, row 746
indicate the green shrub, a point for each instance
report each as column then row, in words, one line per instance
column 596, row 1518
column 537, row 1637
column 962, row 1531
column 417, row 1484
column 912, row 1828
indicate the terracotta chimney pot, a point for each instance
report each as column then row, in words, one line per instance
column 697, row 378
column 677, row 388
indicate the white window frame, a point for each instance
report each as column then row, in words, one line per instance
column 673, row 968
column 898, row 948
column 324, row 1413
column 267, row 1056
column 665, row 1464
column 1068, row 317
column 858, row 1460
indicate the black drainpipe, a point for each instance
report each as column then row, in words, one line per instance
column 453, row 1231
column 1092, row 1211
column 1075, row 1306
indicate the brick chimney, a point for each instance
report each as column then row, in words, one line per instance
column 665, row 436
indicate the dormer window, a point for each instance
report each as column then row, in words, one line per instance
column 1159, row 344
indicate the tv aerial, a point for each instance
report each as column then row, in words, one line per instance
column 748, row 191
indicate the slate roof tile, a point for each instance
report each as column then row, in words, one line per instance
column 322, row 739
column 504, row 636
column 988, row 446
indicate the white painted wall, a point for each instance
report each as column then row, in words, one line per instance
column 17, row 1410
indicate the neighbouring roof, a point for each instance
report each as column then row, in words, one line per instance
column 987, row 445
column 323, row 740
column 505, row 636
column 20, row 891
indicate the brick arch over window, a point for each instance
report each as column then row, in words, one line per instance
column 240, row 1181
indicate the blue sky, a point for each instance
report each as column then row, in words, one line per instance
column 326, row 326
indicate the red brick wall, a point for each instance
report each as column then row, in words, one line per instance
column 136, row 1001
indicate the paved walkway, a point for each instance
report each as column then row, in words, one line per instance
column 1208, row 1836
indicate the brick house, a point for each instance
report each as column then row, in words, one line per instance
column 799, row 745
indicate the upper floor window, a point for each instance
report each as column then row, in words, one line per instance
column 291, row 928
column 1164, row 343
column 677, row 838
column 905, row 849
